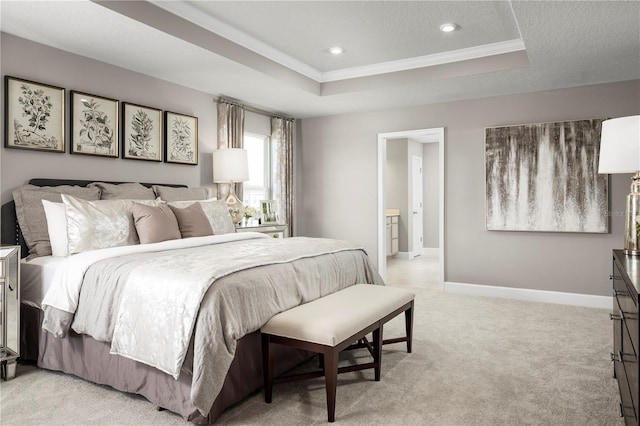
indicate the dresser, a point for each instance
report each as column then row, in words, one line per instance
column 626, row 278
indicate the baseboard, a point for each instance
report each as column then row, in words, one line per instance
column 431, row 251
column 561, row 298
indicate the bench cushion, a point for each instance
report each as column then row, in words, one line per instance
column 334, row 318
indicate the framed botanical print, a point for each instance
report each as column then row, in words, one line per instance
column 34, row 115
column 141, row 132
column 180, row 138
column 94, row 125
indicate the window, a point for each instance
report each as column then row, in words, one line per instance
column 258, row 187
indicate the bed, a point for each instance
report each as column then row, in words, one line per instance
column 219, row 363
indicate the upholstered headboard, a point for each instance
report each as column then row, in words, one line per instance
column 10, row 230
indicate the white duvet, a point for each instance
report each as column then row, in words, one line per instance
column 66, row 283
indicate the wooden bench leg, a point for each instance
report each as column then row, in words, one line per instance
column 408, row 321
column 267, row 368
column 377, row 352
column 331, row 381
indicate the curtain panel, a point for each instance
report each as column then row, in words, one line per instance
column 282, row 154
column 230, row 135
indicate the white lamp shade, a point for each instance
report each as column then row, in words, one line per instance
column 230, row 165
column 620, row 145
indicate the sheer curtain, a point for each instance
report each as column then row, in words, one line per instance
column 282, row 155
column 230, row 135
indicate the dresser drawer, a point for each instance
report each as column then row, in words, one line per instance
column 630, row 361
column 626, row 404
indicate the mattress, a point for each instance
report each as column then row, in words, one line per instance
column 36, row 277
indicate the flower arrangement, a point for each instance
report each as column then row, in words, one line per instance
column 250, row 212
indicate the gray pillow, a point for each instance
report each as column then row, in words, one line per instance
column 31, row 216
column 168, row 193
column 192, row 221
column 123, row 191
column 155, row 223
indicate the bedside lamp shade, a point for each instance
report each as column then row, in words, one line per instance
column 620, row 145
column 229, row 166
column 620, row 153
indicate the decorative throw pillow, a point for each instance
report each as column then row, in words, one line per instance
column 168, row 193
column 217, row 213
column 155, row 223
column 31, row 216
column 192, row 221
column 93, row 225
column 123, row 191
column 57, row 227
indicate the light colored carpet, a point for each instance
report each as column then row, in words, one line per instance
column 476, row 361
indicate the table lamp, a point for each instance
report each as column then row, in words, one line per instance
column 620, row 153
column 231, row 165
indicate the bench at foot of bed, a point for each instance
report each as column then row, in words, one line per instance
column 332, row 324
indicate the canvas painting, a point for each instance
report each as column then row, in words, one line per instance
column 94, row 125
column 544, row 177
column 34, row 115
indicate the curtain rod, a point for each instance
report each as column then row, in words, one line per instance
column 250, row 108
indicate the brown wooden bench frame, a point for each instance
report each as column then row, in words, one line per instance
column 329, row 356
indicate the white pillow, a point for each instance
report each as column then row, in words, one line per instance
column 57, row 227
column 216, row 211
column 93, row 225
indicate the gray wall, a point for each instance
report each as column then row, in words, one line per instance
column 32, row 61
column 396, row 186
column 338, row 191
column 431, row 179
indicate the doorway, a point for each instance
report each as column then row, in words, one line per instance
column 434, row 135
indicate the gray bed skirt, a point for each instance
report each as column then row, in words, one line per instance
column 89, row 359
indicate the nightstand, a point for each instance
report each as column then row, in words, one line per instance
column 9, row 310
column 276, row 230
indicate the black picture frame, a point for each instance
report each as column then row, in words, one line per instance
column 141, row 132
column 180, row 138
column 34, row 115
column 94, row 125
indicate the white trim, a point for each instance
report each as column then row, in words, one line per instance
column 433, row 135
column 196, row 16
column 209, row 23
column 430, row 251
column 531, row 295
column 465, row 54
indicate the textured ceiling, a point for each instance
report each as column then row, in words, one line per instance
column 567, row 44
column 371, row 32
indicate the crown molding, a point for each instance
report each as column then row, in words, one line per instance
column 208, row 22
column 194, row 15
column 425, row 61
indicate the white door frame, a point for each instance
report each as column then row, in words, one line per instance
column 434, row 135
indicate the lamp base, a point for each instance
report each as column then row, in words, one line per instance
column 236, row 208
column 632, row 222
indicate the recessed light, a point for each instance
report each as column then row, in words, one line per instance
column 336, row 50
column 449, row 27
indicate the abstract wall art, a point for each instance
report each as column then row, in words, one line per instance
column 544, row 177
